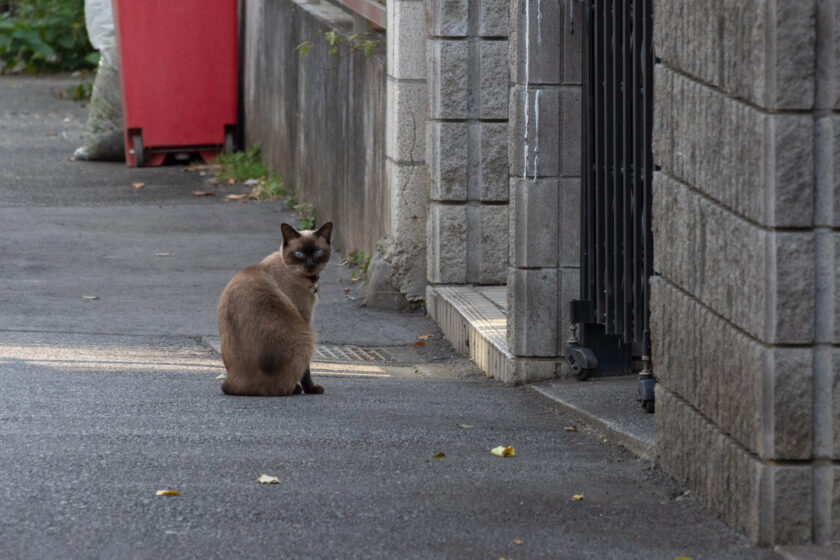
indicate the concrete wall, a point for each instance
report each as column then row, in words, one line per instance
column 320, row 119
column 466, row 132
column 744, row 314
column 544, row 145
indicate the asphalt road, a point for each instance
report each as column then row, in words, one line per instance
column 106, row 401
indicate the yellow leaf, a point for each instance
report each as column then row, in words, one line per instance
column 138, row 185
column 268, row 479
column 503, row 451
column 167, row 493
column 440, row 455
column 518, row 541
column 577, row 497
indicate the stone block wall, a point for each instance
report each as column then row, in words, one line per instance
column 744, row 315
column 320, row 119
column 465, row 141
column 544, row 151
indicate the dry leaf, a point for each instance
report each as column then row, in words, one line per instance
column 518, row 541
column 465, row 425
column 440, row 455
column 268, row 479
column 419, row 343
column 571, row 428
column 425, row 336
column 346, row 290
column 577, row 497
column 238, row 196
column 138, row 185
column 204, row 193
column 90, row 297
column 164, row 254
column 167, row 493
column 503, row 451
column 222, row 375
column 231, row 181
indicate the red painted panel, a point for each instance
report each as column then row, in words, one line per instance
column 178, row 71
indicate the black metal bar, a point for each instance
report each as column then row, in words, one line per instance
column 627, row 183
column 597, row 248
column 648, row 184
column 609, row 167
column 638, row 154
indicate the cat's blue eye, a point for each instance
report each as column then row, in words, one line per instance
column 299, row 254
column 318, row 253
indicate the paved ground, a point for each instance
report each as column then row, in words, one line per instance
column 104, row 401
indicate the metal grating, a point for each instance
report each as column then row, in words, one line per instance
column 351, row 354
column 618, row 166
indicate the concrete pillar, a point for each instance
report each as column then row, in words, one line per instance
column 466, row 135
column 544, row 154
column 398, row 270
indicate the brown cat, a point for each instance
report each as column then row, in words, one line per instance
column 264, row 316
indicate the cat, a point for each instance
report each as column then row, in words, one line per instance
column 264, row 318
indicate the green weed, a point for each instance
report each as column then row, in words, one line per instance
column 45, row 36
column 242, row 166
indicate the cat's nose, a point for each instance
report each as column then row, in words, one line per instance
column 310, row 263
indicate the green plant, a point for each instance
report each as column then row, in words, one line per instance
column 307, row 215
column 242, row 166
column 78, row 92
column 358, row 41
column 269, row 188
column 358, row 258
column 45, row 35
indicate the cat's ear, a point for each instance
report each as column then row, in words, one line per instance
column 289, row 233
column 325, row 231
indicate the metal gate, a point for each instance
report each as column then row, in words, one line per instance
column 612, row 334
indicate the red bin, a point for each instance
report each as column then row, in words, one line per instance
column 178, row 77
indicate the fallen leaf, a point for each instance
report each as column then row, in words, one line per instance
column 164, row 254
column 167, row 493
column 440, row 455
column 268, row 479
column 503, row 451
column 466, row 426
column 577, row 497
column 238, row 196
column 90, row 297
column 231, row 181
column 425, row 336
column 222, row 376
column 518, row 541
column 419, row 343
column 204, row 193
column 571, row 428
column 138, row 185
column 346, row 290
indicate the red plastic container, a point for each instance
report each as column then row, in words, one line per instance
column 178, row 77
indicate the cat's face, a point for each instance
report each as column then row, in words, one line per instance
column 306, row 251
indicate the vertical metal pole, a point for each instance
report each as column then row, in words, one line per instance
column 609, row 166
column 626, row 171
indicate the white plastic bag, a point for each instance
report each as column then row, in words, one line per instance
column 103, row 139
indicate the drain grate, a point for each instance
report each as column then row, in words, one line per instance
column 355, row 354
